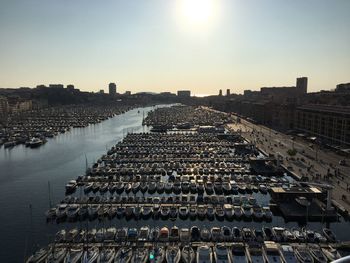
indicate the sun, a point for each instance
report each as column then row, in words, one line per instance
column 197, row 12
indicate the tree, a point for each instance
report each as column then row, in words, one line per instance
column 292, row 152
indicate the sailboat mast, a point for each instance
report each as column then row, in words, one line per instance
column 86, row 163
column 49, row 189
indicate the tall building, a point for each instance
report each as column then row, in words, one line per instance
column 302, row 85
column 112, row 89
column 70, row 87
column 344, row 87
column 228, row 92
column 184, row 93
column 4, row 106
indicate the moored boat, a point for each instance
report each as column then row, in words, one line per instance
column 140, row 255
column 238, row 253
column 157, row 254
column 38, row 257
column 91, row 255
column 222, row 254
column 205, row 234
column 288, row 254
column 317, row 254
column 271, row 252
column 107, row 255
column 331, row 253
column 74, row 255
column 329, row 235
column 204, row 254
column 303, row 255
column 187, row 254
column 173, row 254
column 123, row 255
column 254, row 254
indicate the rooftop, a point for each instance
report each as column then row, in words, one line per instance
column 296, row 190
column 326, row 108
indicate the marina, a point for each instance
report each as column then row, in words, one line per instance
column 33, row 128
column 186, row 131
column 182, row 190
column 268, row 251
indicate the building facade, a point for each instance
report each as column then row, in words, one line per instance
column 302, row 85
column 4, row 107
column 329, row 123
column 344, row 87
column 184, row 93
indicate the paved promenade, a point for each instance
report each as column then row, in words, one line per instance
column 320, row 165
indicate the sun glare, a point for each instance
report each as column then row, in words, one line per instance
column 197, row 12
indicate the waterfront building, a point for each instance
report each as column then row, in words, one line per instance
column 327, row 122
column 4, row 107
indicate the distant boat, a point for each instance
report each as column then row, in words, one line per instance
column 35, row 142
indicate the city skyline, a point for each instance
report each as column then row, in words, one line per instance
column 156, row 46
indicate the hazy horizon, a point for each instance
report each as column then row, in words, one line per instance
column 156, row 46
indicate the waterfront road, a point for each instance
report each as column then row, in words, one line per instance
column 318, row 164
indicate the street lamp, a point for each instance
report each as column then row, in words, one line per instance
column 293, row 142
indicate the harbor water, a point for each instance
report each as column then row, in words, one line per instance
column 25, row 173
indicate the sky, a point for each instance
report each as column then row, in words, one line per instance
column 170, row 45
